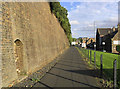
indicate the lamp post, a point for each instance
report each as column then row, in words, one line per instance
column 95, row 36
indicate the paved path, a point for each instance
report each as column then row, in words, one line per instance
column 70, row 71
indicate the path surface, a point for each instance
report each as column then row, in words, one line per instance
column 70, row 71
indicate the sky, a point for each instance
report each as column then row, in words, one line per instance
column 86, row 17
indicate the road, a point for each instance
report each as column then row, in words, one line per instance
column 70, row 71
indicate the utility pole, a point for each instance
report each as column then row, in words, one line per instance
column 95, row 36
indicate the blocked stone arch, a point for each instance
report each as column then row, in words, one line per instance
column 19, row 57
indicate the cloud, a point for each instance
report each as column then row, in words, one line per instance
column 76, row 29
column 104, row 14
column 93, row 11
column 75, row 34
column 89, row 0
column 84, row 16
column 74, row 22
column 68, row 15
column 71, row 3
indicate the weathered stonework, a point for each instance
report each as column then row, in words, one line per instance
column 0, row 45
column 39, row 32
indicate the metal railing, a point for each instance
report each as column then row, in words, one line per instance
column 88, row 54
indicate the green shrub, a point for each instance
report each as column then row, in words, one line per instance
column 118, row 48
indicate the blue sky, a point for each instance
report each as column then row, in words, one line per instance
column 85, row 16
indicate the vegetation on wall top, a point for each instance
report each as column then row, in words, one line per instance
column 74, row 39
column 61, row 14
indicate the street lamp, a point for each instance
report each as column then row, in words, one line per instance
column 95, row 34
column 94, row 46
column 103, row 43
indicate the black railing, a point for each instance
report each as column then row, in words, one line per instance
column 112, row 72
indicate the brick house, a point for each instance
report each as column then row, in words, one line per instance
column 90, row 43
column 90, row 40
column 84, row 41
column 106, row 39
column 116, row 41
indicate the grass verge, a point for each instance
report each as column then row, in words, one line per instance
column 108, row 59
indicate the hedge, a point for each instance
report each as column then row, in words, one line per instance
column 118, row 48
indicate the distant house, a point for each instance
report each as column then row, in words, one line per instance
column 84, row 41
column 116, row 41
column 84, row 44
column 90, row 40
column 90, row 43
column 107, row 39
column 77, row 41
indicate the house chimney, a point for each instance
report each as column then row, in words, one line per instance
column 113, row 29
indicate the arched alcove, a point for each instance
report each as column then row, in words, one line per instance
column 19, row 57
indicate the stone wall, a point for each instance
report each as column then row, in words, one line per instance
column 0, row 46
column 31, row 38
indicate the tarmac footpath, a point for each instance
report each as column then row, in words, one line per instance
column 70, row 72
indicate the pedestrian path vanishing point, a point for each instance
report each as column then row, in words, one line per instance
column 70, row 71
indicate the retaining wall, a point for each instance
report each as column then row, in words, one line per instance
column 31, row 38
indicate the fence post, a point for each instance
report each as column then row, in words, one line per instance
column 101, row 66
column 95, row 59
column 90, row 56
column 115, row 73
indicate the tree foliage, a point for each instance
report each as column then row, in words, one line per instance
column 61, row 14
column 74, row 39
column 80, row 39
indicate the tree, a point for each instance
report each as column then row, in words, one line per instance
column 74, row 39
column 61, row 14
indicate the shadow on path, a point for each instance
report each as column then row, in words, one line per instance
column 93, row 87
column 93, row 72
